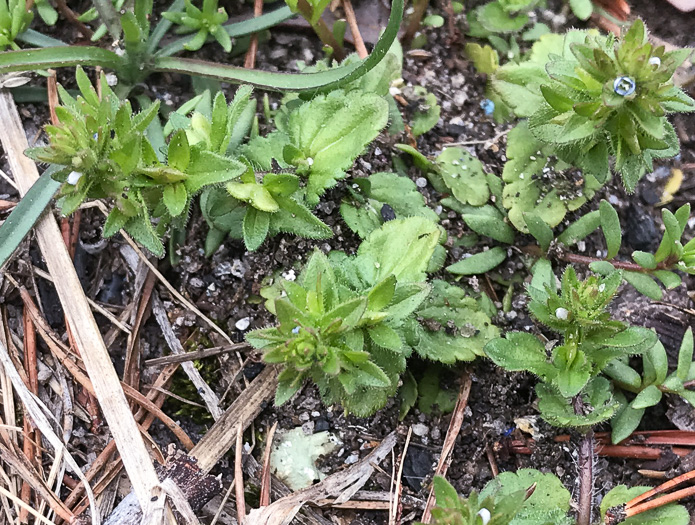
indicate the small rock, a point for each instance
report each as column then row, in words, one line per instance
column 416, row 466
column 640, row 230
column 421, row 182
column 238, row 268
column 304, row 416
column 252, row 370
column 197, row 283
column 308, row 428
column 321, row 425
column 352, row 458
column 420, row 430
column 460, row 98
column 243, row 324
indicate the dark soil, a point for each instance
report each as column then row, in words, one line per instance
column 226, row 288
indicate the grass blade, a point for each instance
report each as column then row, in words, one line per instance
column 52, row 57
column 24, row 216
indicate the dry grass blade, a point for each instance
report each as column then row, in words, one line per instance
column 396, row 503
column 450, row 439
column 265, row 476
column 341, row 485
column 239, row 477
column 84, row 328
column 36, row 410
column 29, row 509
column 211, row 400
column 61, row 354
column 33, row 480
column 218, row 440
column 198, row 354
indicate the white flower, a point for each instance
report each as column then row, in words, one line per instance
column 310, row 161
column 655, row 61
column 561, row 313
column 74, row 177
column 484, row 516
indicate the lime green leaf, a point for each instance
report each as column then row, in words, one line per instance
column 480, row 262
column 255, row 227
column 610, row 225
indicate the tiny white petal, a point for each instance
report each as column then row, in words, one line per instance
column 74, row 177
column 485, row 516
column 655, row 61
column 561, row 313
column 310, row 161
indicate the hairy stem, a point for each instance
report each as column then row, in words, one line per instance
column 586, row 478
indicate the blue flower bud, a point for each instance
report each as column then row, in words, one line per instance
column 624, row 86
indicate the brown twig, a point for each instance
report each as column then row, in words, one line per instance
column 450, row 439
column 575, row 258
column 198, row 354
column 250, row 59
column 71, row 17
column 354, row 29
column 239, row 477
column 265, row 475
column 664, row 487
column 31, row 435
column 660, row 502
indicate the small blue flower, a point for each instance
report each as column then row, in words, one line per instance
column 295, row 330
column 624, row 86
column 488, row 106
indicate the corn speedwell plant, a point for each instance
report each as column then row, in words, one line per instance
column 348, row 323
column 105, row 153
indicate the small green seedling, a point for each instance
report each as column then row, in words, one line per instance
column 512, row 498
column 103, row 151
column 571, row 391
column 204, row 21
column 671, row 256
column 595, row 99
column 649, row 386
column 14, row 20
column 348, row 323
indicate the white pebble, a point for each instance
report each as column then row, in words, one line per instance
column 421, row 182
column 243, row 324
column 420, row 430
column 562, row 313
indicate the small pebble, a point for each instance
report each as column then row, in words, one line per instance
column 243, row 324
column 352, row 458
column 420, row 430
column 421, row 182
